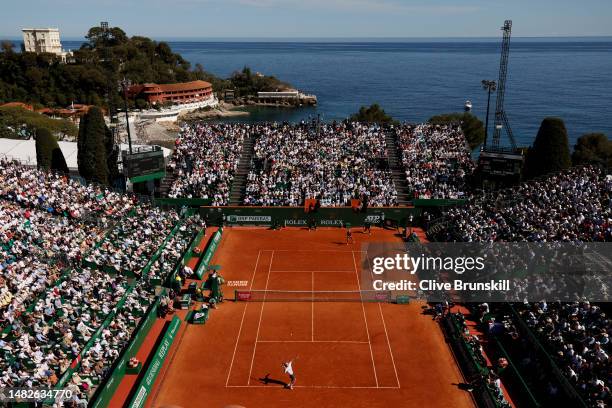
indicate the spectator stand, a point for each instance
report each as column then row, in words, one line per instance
column 109, row 387
column 126, row 232
column 104, row 238
column 516, row 388
column 118, row 387
column 191, row 258
column 569, row 391
column 75, row 365
column 473, row 365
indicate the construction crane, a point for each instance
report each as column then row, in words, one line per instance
column 499, row 165
column 501, row 119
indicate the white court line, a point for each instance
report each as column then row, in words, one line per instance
column 314, row 341
column 315, row 386
column 260, row 316
column 386, row 332
column 242, row 321
column 311, row 250
column 312, row 307
column 366, row 321
column 312, row 270
column 389, row 343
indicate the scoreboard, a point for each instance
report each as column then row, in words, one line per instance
column 143, row 162
column 500, row 164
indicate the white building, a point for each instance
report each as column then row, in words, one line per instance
column 43, row 40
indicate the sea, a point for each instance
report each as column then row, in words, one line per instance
column 414, row 79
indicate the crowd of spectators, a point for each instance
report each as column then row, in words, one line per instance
column 205, row 159
column 573, row 205
column 130, row 245
column 34, row 246
column 42, row 342
column 570, row 206
column 58, row 194
column 577, row 336
column 175, row 248
column 111, row 342
column 436, row 160
column 333, row 162
column 62, row 276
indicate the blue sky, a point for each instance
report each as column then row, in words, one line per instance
column 312, row 18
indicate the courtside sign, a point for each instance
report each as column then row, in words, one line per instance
column 144, row 389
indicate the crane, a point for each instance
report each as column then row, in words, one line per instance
column 501, row 119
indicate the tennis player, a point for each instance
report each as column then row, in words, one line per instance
column 349, row 236
column 288, row 367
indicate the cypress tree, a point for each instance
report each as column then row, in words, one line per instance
column 58, row 162
column 550, row 150
column 49, row 156
column 92, row 157
column 45, row 143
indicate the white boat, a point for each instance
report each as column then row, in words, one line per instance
column 468, row 105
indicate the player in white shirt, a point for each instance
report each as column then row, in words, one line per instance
column 288, row 366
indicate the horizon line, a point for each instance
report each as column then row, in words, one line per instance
column 331, row 38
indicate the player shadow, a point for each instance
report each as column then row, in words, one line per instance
column 464, row 386
column 265, row 380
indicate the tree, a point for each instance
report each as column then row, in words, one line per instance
column 550, row 150
column 49, row 156
column 372, row 114
column 91, row 79
column 58, row 162
column 92, row 155
column 25, row 123
column 472, row 127
column 593, row 148
column 45, row 143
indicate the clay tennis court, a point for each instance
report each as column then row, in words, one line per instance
column 348, row 353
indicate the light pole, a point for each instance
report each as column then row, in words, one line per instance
column 125, row 84
column 489, row 86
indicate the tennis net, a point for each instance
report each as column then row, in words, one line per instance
column 312, row 296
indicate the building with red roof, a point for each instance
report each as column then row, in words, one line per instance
column 17, row 105
column 180, row 93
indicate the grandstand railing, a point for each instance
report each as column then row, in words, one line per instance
column 105, row 391
column 522, row 386
column 569, row 389
column 167, row 280
column 76, row 362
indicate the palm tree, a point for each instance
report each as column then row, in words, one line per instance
column 489, row 86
